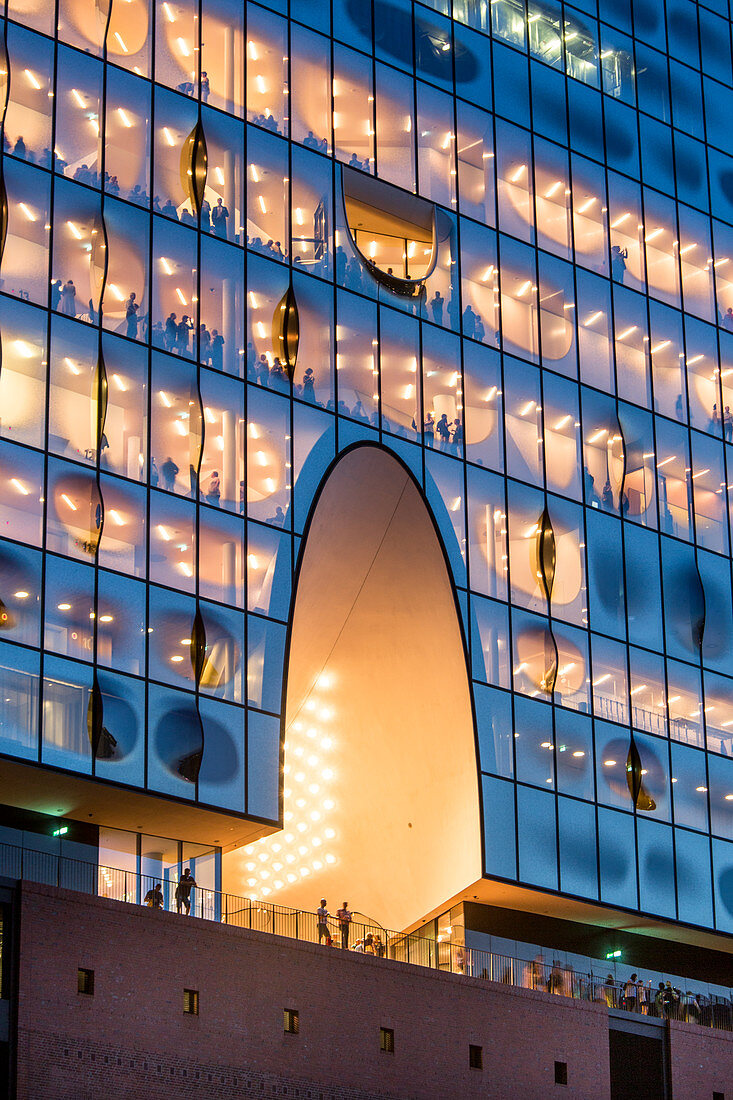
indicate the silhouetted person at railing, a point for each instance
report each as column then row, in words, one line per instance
column 323, row 915
column 610, row 991
column 629, row 1001
column 457, row 437
column 341, row 263
column 379, row 948
column 154, row 897
column 154, row 475
column 183, row 328
column 429, row 430
column 309, row 386
column 618, row 263
column 219, row 216
column 206, row 216
column 205, row 86
column 670, row 1001
column 19, row 149
column 278, row 519
column 217, row 350
column 131, row 308
column 442, row 430
column 185, row 885
column 344, row 919
column 436, row 307
column 727, row 424
column 469, row 322
column 169, row 209
column 171, row 331
column 204, row 344
column 213, row 494
column 679, row 407
column 368, row 947
column 68, row 298
column 728, row 319
column 169, row 470
column 480, row 330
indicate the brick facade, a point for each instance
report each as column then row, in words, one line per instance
column 132, row 1039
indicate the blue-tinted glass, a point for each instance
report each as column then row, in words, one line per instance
column 578, row 861
column 499, row 825
column 537, row 831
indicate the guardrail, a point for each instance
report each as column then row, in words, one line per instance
column 709, row 1006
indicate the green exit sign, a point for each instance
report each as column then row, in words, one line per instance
column 60, row 832
column 613, row 955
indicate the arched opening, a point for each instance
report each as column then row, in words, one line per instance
column 381, row 796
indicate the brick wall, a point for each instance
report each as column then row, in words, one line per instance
column 132, row 1039
column 702, row 1062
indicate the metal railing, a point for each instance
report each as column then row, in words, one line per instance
column 709, row 1006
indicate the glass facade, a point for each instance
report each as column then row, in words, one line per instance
column 495, row 239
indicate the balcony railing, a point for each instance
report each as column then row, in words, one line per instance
column 709, row 1006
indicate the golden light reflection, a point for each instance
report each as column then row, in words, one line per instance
column 308, row 842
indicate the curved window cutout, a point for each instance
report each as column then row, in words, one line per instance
column 394, row 232
column 380, row 782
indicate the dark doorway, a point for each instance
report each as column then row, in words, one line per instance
column 637, row 1065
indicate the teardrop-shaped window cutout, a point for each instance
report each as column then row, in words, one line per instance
column 198, row 646
column 635, row 780
column 104, row 745
column 3, row 215
column 545, row 554
column 285, row 336
column 194, row 167
column 195, row 436
column 4, row 78
column 100, row 397
column 179, row 742
column 394, row 232
column 98, row 258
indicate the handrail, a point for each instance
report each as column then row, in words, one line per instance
column 709, row 1009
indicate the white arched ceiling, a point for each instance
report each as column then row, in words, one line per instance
column 381, row 797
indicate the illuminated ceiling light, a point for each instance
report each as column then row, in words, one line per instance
column 21, row 595
column 64, row 607
column 67, row 500
column 78, row 98
column 261, row 201
column 578, row 754
column 597, row 436
column 654, row 234
column 562, row 422
column 176, row 658
column 168, row 136
column 185, row 569
column 627, row 332
column 181, row 296
column 554, row 189
column 593, row 318
column 74, row 231
column 23, row 349
column 106, row 618
column 27, row 212
column 72, row 366
column 636, row 690
column 719, row 263
column 609, row 763
column 660, row 347
column 116, row 292
column 163, row 532
column 121, row 43
column 165, row 399
column 702, row 790
column 524, row 288
column 254, row 173
column 119, row 383
column 32, row 80
column 586, row 206
column 20, row 486
column 665, row 461
column 116, row 517
column 183, row 47
column 729, row 797
column 602, row 679
column 620, row 221
column 517, row 174
column 124, row 117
